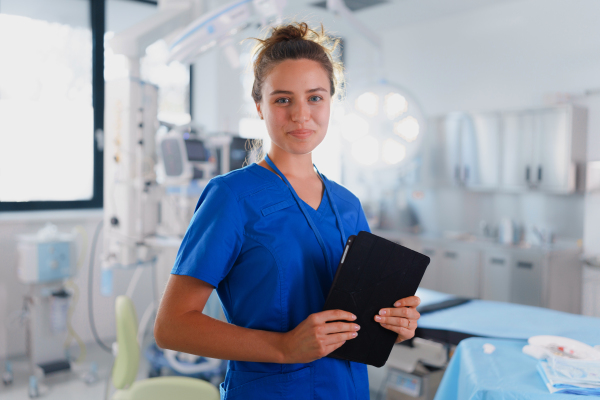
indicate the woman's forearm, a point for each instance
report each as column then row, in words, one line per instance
column 196, row 333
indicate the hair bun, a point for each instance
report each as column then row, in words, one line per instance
column 289, row 32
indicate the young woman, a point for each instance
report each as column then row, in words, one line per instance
column 269, row 238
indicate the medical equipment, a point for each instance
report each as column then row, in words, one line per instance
column 7, row 376
column 47, row 256
column 47, row 260
column 232, row 152
column 566, row 364
column 181, row 159
column 217, row 26
column 127, row 363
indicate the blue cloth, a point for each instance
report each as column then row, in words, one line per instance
column 508, row 320
column 506, row 374
column 250, row 239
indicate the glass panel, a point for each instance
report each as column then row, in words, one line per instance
column 46, row 115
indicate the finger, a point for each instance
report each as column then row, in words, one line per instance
column 403, row 312
column 334, row 347
column 339, row 337
column 404, row 333
column 412, row 301
column 333, row 315
column 395, row 321
column 337, row 327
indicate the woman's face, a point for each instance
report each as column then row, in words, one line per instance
column 295, row 105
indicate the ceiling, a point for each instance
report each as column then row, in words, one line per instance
column 397, row 13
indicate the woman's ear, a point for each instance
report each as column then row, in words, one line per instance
column 258, row 110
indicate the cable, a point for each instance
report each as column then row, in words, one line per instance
column 72, row 334
column 90, row 290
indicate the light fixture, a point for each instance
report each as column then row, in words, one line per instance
column 407, row 128
column 354, row 127
column 395, row 105
column 393, row 152
column 366, row 150
column 367, row 103
column 389, row 115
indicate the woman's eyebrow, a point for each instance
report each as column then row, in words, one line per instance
column 319, row 89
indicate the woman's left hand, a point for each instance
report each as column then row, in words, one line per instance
column 402, row 319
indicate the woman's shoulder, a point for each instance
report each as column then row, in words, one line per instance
column 242, row 182
column 343, row 193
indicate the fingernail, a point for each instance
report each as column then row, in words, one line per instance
column 353, row 316
column 356, row 327
column 377, row 318
column 382, row 312
column 354, row 334
column 398, row 304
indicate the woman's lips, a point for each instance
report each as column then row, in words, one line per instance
column 301, row 133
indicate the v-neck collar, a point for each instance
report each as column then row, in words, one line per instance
column 272, row 176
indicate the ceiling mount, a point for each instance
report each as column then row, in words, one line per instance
column 354, row 5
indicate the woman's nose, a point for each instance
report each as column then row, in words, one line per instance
column 300, row 113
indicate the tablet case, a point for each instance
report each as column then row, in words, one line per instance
column 373, row 273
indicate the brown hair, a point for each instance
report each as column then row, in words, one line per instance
column 295, row 41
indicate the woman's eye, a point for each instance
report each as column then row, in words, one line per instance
column 282, row 101
column 315, row 98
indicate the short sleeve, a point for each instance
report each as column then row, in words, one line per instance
column 213, row 239
column 362, row 224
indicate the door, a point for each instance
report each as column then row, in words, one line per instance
column 432, row 273
column 459, row 272
column 526, row 278
column 480, row 151
column 452, row 131
column 553, row 170
column 517, row 150
column 496, row 280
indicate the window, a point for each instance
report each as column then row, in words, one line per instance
column 50, row 80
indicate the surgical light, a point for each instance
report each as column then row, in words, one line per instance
column 407, row 128
column 354, row 127
column 367, row 103
column 393, row 152
column 395, row 105
column 366, row 150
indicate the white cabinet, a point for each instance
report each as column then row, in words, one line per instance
column 496, row 276
column 459, row 271
column 526, row 277
column 469, row 153
column 540, row 148
column 479, row 151
column 431, row 279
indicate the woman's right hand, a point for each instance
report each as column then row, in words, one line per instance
column 316, row 337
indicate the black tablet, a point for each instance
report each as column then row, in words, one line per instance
column 373, row 273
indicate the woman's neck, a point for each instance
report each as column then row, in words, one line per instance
column 292, row 165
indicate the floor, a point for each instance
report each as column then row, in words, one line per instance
column 70, row 385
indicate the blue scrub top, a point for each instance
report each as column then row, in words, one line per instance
column 250, row 239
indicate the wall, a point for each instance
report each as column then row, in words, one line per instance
column 505, row 56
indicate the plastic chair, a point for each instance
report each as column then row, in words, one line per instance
column 127, row 363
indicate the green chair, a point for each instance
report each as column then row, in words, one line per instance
column 127, row 363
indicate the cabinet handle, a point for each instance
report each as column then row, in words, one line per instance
column 450, row 254
column 540, row 173
column 526, row 265
column 527, row 173
column 499, row 261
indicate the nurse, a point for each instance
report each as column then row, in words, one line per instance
column 269, row 238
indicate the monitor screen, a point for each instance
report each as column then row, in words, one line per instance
column 196, row 150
